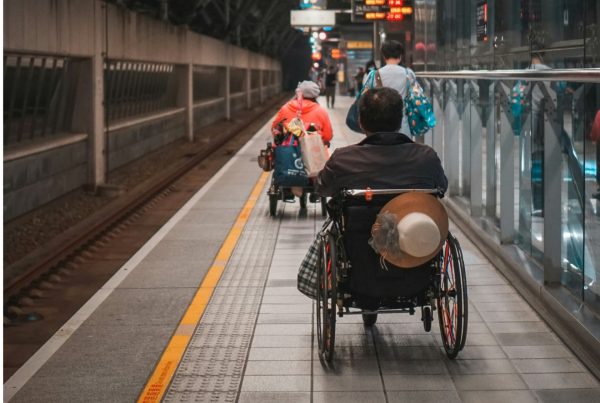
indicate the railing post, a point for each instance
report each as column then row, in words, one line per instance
column 465, row 104
column 438, row 109
column 507, row 171
column 451, row 137
column 552, row 181
column 490, row 152
column 476, row 132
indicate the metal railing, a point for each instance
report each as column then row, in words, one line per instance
column 516, row 148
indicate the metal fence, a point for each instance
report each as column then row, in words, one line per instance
column 38, row 96
column 208, row 82
column 138, row 88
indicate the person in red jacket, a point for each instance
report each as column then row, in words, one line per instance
column 311, row 112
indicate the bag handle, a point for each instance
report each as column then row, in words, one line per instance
column 299, row 98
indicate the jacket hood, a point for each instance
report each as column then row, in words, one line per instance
column 307, row 106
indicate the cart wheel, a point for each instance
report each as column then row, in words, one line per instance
column 324, row 207
column 452, row 299
column 273, row 205
column 326, row 298
column 426, row 317
column 303, row 200
column 369, row 320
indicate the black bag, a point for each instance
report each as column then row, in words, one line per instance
column 373, row 81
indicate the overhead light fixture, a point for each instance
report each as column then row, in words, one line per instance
column 322, row 36
column 315, row 35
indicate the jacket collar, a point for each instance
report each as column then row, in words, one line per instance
column 386, row 138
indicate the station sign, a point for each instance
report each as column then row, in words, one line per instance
column 380, row 10
column 482, row 21
column 312, row 18
column 359, row 45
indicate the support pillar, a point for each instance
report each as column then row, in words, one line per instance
column 185, row 96
column 261, row 85
column 227, row 92
column 248, row 88
column 97, row 135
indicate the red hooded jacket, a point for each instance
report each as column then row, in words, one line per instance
column 312, row 112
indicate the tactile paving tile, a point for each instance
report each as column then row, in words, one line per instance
column 212, row 367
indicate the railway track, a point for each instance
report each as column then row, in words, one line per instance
column 36, row 298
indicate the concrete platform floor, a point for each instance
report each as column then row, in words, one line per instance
column 256, row 341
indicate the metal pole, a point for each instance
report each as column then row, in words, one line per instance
column 376, row 44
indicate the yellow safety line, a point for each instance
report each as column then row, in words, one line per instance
column 169, row 361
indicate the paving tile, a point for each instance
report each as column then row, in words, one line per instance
column 480, row 339
column 410, row 353
column 345, row 383
column 527, row 339
column 278, row 368
column 346, row 367
column 481, row 353
column 517, row 327
column 546, row 365
column 418, row 382
column 407, row 340
column 281, row 341
column 285, row 318
column 280, row 354
column 497, row 307
column 349, row 397
column 413, row 367
column 274, row 397
column 423, row 396
column 489, row 382
column 568, row 395
column 571, row 380
column 558, row 351
column 474, row 367
column 498, row 298
column 289, row 383
column 512, row 396
column 292, row 329
column 285, row 308
column 511, row 316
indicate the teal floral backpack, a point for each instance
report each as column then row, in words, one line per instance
column 417, row 108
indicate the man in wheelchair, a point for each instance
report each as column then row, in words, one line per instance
column 385, row 159
column 380, row 252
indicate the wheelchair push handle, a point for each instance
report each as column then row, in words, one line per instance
column 375, row 192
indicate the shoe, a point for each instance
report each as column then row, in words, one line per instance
column 313, row 198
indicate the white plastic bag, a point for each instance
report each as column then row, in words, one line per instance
column 314, row 154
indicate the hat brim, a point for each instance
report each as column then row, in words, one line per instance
column 415, row 202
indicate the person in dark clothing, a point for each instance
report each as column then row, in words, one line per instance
column 358, row 78
column 385, row 159
column 330, row 81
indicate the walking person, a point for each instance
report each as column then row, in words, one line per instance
column 330, row 82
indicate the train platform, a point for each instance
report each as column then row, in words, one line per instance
column 208, row 311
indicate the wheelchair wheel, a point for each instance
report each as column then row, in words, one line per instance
column 369, row 320
column 452, row 299
column 273, row 205
column 326, row 298
column 324, row 207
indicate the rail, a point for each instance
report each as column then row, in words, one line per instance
column 591, row 75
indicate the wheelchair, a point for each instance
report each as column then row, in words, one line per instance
column 350, row 280
column 277, row 193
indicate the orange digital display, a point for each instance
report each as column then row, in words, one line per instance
column 375, row 2
column 395, row 3
column 374, row 16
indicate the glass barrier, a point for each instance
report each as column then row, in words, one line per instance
column 527, row 168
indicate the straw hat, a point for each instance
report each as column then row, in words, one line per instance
column 410, row 229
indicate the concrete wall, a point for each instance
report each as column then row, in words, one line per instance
column 90, row 31
column 36, row 179
column 132, row 142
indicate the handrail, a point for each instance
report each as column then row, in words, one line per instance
column 591, row 75
column 362, row 192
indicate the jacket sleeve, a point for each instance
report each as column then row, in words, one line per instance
column 325, row 181
column 278, row 118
